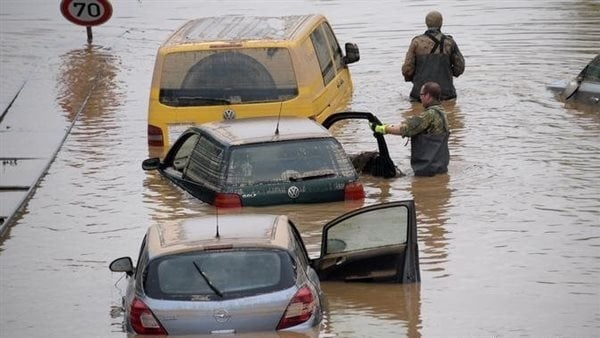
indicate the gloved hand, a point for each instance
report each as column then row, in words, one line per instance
column 378, row 128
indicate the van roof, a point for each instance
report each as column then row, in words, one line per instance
column 262, row 129
column 236, row 28
column 235, row 230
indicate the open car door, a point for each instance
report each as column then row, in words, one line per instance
column 376, row 164
column 373, row 243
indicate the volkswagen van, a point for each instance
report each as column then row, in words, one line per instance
column 229, row 67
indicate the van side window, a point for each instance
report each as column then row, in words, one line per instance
column 336, row 51
column 322, row 48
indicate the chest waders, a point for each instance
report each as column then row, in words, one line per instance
column 429, row 154
column 434, row 67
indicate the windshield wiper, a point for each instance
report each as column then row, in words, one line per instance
column 212, row 287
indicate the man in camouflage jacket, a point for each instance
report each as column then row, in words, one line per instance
column 433, row 56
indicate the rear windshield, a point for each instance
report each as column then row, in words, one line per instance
column 288, row 161
column 205, row 78
column 213, row 275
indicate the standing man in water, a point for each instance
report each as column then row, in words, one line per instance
column 428, row 132
column 433, row 56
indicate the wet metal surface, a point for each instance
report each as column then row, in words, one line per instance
column 508, row 240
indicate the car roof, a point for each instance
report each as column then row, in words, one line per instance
column 237, row 28
column 264, row 129
column 235, row 230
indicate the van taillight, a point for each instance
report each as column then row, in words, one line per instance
column 354, row 191
column 142, row 319
column 155, row 137
column 299, row 310
column 223, row 200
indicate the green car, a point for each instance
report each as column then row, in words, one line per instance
column 262, row 161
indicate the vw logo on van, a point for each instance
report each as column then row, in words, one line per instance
column 221, row 315
column 228, row 114
column 293, row 192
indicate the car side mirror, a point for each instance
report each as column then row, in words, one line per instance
column 123, row 264
column 352, row 53
column 151, row 163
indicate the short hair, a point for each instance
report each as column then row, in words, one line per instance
column 433, row 89
column 434, row 19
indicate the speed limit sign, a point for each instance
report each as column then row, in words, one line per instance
column 86, row 12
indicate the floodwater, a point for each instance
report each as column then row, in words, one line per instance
column 509, row 239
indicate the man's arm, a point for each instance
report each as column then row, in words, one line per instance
column 458, row 61
column 408, row 68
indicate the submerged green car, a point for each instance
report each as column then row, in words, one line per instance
column 261, row 161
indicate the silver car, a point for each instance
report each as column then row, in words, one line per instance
column 240, row 273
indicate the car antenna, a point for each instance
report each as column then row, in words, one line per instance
column 217, row 235
column 278, row 118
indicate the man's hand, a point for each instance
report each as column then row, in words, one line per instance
column 378, row 128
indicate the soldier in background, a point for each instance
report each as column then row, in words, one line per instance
column 433, row 56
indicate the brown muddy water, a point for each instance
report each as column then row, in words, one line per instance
column 509, row 239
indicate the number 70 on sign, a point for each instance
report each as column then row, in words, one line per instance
column 86, row 12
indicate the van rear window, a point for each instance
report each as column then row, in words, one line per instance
column 209, row 77
column 208, row 275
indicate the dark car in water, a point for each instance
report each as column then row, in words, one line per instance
column 263, row 161
column 242, row 273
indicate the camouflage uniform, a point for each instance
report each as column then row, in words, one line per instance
column 431, row 121
column 429, row 133
column 425, row 62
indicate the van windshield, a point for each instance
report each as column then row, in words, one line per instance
column 220, row 77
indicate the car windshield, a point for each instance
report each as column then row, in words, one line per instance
column 288, row 161
column 592, row 71
column 210, row 275
column 209, row 77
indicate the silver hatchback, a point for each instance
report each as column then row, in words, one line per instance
column 240, row 273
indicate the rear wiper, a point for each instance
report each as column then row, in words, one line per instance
column 312, row 176
column 212, row 287
column 193, row 100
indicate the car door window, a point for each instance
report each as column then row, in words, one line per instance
column 368, row 230
column 336, row 51
column 181, row 157
column 205, row 162
column 322, row 49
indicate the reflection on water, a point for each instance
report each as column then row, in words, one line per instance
column 511, row 229
column 372, row 310
column 432, row 196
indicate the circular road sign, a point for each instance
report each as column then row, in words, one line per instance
column 86, row 12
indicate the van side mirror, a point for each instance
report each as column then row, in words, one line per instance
column 151, row 163
column 123, row 264
column 352, row 53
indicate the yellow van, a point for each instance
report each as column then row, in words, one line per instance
column 238, row 66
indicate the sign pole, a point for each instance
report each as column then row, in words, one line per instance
column 89, row 34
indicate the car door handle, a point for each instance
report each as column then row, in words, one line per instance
column 340, row 260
